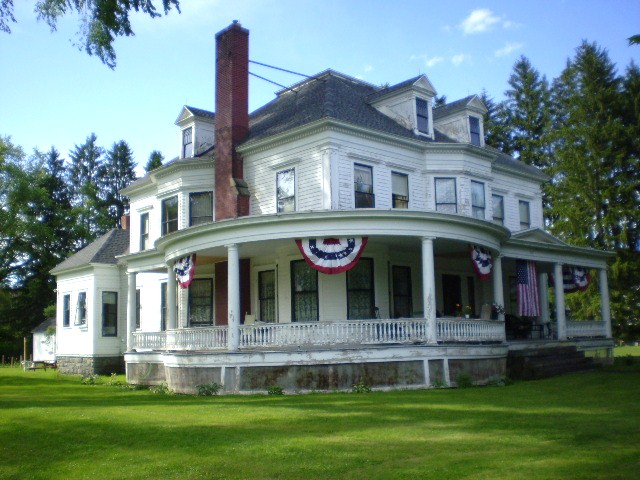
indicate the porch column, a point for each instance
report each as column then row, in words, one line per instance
column 559, row 291
column 172, row 323
column 604, row 301
column 543, row 288
column 233, row 297
column 429, row 289
column 498, row 290
column 131, row 309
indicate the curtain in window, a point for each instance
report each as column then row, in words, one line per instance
column 304, row 286
column 201, row 302
column 446, row 195
column 201, row 208
column 360, row 296
column 267, row 295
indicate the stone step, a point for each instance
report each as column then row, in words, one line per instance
column 536, row 363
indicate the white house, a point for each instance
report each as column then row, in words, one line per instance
column 333, row 232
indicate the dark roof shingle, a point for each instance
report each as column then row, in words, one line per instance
column 102, row 250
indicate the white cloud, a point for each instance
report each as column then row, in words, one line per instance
column 510, row 25
column 368, row 68
column 460, row 58
column 428, row 61
column 508, row 48
column 479, row 21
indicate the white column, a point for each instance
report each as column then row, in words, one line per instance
column 429, row 288
column 604, row 301
column 559, row 291
column 233, row 297
column 498, row 290
column 172, row 283
column 131, row 309
column 543, row 288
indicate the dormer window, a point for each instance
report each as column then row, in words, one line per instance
column 422, row 113
column 187, row 142
column 474, row 130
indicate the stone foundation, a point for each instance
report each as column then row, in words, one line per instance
column 90, row 365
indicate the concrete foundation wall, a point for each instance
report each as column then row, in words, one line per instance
column 146, row 373
column 91, row 365
column 480, row 370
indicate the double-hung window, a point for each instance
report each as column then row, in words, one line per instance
column 477, row 199
column 360, row 293
column 525, row 215
column 498, row 209
column 200, row 208
column 201, row 302
column 66, row 310
column 304, row 292
column 446, row 198
column 363, row 186
column 81, row 317
column 267, row 295
column 169, row 215
column 187, row 142
column 163, row 306
column 138, row 309
column 286, row 190
column 474, row 130
column 144, row 231
column 422, row 114
column 109, row 314
column 400, row 190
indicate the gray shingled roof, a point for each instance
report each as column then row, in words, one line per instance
column 199, row 112
column 103, row 250
column 449, row 108
column 381, row 92
column 41, row 328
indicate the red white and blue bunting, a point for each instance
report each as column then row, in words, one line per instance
column 482, row 261
column 332, row 255
column 185, row 269
column 574, row 279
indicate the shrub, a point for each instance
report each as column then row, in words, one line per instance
column 160, row 389
column 361, row 387
column 89, row 380
column 439, row 383
column 463, row 380
column 113, row 381
column 496, row 381
column 275, row 390
column 208, row 389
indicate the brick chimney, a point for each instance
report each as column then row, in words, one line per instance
column 232, row 120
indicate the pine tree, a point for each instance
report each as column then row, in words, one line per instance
column 116, row 173
column 496, row 128
column 155, row 161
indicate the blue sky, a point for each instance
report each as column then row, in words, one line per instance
column 53, row 94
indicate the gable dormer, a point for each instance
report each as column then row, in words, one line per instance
column 410, row 103
column 197, row 131
column 462, row 120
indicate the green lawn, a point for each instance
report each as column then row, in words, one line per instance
column 583, row 426
column 626, row 351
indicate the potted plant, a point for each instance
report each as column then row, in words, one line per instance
column 496, row 311
column 458, row 310
column 467, row 311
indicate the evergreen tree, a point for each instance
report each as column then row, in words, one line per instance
column 496, row 128
column 155, row 161
column 117, row 172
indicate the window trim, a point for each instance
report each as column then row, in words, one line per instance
column 370, row 195
column 524, row 224
column 495, row 219
column 278, row 198
column 186, row 144
column 81, row 320
column 424, row 117
column 211, row 303
column 397, row 197
column 144, row 231
column 474, row 207
column 166, row 223
column 293, row 292
column 66, row 310
column 371, row 289
column 104, row 318
column 275, row 295
column 455, row 193
column 478, row 133
column 191, row 217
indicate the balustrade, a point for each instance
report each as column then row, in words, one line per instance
column 586, row 329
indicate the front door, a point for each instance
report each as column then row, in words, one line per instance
column 451, row 294
column 402, row 296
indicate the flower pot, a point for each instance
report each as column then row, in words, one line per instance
column 466, row 316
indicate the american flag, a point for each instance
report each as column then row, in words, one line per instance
column 527, row 280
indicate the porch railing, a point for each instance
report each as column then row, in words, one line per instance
column 359, row 332
column 586, row 329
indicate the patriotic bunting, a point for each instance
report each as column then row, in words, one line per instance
column 185, row 269
column 332, row 255
column 482, row 261
column 574, row 279
column 527, row 292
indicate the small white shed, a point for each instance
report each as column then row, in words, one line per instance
column 44, row 341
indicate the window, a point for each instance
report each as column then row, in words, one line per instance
column 498, row 209
column 267, row 295
column 400, row 190
column 363, row 186
column 138, row 309
column 200, row 208
column 525, row 215
column 163, row 306
column 474, row 130
column 144, row 231
column 446, row 200
column 477, row 199
column 402, row 295
column 81, row 317
column 304, row 292
column 187, row 142
column 169, row 215
column 66, row 310
column 360, row 294
column 201, row 302
column 422, row 112
column 109, row 314
column 286, row 190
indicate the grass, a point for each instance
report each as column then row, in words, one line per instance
column 582, row 426
column 626, row 351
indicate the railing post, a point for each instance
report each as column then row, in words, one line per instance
column 428, row 289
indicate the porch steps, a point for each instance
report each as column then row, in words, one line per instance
column 543, row 362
